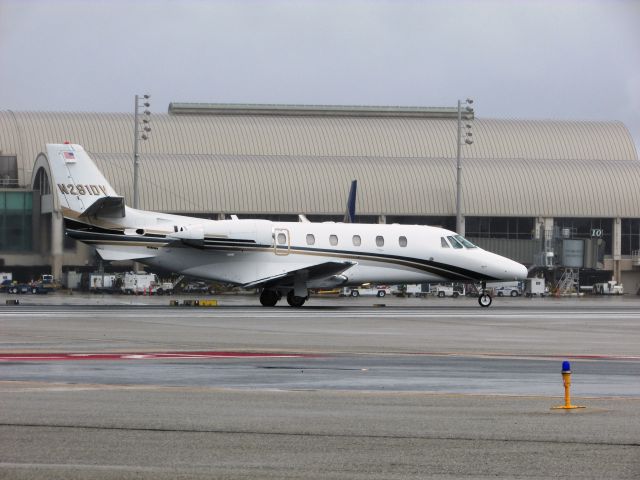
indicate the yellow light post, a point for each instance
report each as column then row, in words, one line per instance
column 566, row 380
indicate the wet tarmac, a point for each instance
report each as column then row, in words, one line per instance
column 121, row 387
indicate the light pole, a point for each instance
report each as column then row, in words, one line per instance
column 466, row 115
column 140, row 102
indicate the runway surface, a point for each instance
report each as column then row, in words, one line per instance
column 342, row 389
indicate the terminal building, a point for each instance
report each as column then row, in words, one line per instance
column 550, row 194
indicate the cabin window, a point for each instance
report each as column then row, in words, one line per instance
column 402, row 241
column 443, row 242
column 380, row 241
column 455, row 243
column 282, row 239
column 357, row 241
column 311, row 240
column 333, row 240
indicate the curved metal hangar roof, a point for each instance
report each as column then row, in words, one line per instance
column 402, row 186
column 271, row 159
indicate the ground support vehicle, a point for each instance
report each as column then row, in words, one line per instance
column 508, row 292
column 5, row 285
column 409, row 290
column 609, row 288
column 165, row 288
column 140, row 283
column 23, row 288
column 535, row 287
column 451, row 290
column 377, row 291
column 103, row 282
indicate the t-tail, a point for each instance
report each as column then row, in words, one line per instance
column 82, row 189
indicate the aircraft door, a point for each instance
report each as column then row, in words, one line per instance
column 281, row 241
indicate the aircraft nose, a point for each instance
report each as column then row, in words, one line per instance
column 517, row 271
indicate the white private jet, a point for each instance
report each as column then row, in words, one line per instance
column 280, row 258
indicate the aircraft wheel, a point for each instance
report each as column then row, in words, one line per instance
column 295, row 301
column 381, row 293
column 355, row 293
column 269, row 298
column 484, row 300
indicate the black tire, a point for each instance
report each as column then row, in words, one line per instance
column 269, row 298
column 500, row 294
column 381, row 293
column 455, row 294
column 295, row 301
column 514, row 293
column 355, row 293
column 484, row 300
column 441, row 294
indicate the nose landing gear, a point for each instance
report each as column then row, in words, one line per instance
column 484, row 299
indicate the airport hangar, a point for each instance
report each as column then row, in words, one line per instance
column 551, row 194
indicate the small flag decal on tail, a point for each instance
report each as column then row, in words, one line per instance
column 69, row 156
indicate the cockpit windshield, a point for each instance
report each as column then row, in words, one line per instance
column 456, row 241
column 465, row 242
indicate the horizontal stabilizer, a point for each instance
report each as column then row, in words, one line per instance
column 105, row 207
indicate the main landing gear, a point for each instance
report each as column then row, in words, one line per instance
column 295, row 301
column 484, row 299
column 269, row 298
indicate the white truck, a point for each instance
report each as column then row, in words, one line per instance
column 449, row 290
column 417, row 290
column 140, row 283
column 375, row 291
column 609, row 288
column 102, row 282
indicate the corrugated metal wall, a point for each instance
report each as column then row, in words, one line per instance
column 405, row 186
column 405, row 166
column 26, row 133
column 522, row 251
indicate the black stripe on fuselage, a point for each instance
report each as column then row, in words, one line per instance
column 451, row 272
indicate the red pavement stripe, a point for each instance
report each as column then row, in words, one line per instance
column 38, row 357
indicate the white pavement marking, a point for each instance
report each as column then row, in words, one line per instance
column 286, row 313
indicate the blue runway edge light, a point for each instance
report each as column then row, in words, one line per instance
column 566, row 366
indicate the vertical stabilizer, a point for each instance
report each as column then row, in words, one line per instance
column 350, row 214
column 80, row 186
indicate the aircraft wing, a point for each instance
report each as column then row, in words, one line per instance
column 310, row 273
